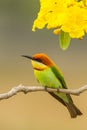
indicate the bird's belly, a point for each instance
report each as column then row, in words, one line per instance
column 47, row 78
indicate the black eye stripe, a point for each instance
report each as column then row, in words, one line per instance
column 38, row 60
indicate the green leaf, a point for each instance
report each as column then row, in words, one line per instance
column 64, row 40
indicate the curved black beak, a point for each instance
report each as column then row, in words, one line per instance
column 29, row 57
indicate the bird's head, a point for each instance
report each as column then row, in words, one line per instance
column 40, row 61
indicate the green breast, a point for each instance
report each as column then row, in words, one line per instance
column 50, row 79
column 47, row 78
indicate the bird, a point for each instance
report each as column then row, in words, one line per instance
column 49, row 75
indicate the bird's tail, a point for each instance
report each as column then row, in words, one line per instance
column 73, row 110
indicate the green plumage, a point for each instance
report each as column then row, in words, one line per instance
column 51, row 77
column 48, row 75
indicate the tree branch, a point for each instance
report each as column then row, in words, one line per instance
column 26, row 89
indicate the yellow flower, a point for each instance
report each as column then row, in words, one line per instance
column 85, row 2
column 67, row 15
column 52, row 13
column 76, row 22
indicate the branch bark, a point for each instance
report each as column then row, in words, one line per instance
column 26, row 89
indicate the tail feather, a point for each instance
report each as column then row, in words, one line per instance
column 57, row 98
column 73, row 110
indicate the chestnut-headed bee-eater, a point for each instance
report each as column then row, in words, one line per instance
column 49, row 75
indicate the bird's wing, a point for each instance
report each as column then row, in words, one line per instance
column 59, row 75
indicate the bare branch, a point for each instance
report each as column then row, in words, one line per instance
column 26, row 89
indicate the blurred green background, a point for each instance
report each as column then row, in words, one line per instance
column 36, row 110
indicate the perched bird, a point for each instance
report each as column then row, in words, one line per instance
column 49, row 75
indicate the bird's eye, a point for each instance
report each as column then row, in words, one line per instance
column 39, row 60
